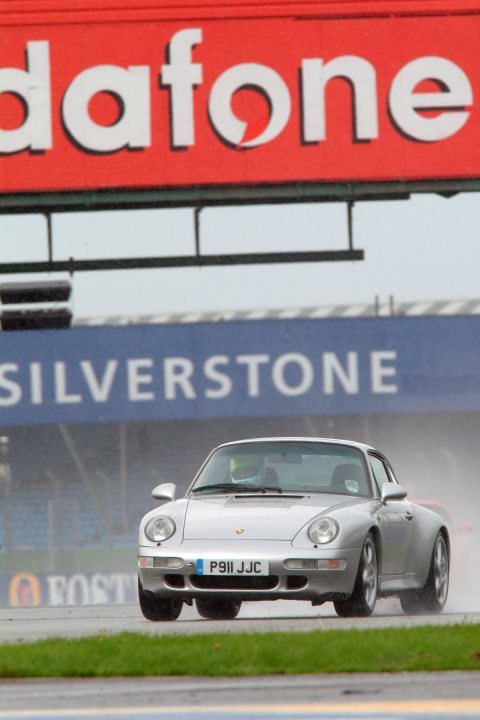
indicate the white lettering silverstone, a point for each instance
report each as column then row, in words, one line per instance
column 181, row 75
column 137, row 380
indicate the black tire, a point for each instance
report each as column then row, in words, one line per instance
column 158, row 609
column 361, row 602
column 218, row 608
column 431, row 599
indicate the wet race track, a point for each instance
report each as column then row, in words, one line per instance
column 386, row 696
column 29, row 624
column 430, row 696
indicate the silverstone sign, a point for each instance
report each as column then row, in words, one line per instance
column 242, row 369
column 241, row 101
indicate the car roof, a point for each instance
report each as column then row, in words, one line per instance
column 308, row 439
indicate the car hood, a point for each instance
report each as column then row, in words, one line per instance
column 255, row 518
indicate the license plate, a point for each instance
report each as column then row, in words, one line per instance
column 232, row 567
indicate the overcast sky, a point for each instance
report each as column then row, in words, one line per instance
column 425, row 248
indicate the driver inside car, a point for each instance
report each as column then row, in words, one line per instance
column 247, row 470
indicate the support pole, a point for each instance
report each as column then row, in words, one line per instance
column 48, row 218
column 81, row 469
column 197, row 212
column 350, row 224
column 124, row 476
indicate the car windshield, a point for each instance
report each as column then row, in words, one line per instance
column 285, row 467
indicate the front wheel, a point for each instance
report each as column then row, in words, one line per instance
column 361, row 602
column 431, row 599
column 218, row 608
column 158, row 609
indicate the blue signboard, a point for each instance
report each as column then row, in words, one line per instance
column 240, row 369
column 32, row 589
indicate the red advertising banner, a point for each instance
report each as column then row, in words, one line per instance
column 164, row 104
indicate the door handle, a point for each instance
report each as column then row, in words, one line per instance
column 409, row 516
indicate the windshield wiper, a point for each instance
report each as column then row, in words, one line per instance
column 219, row 487
column 266, row 488
column 234, row 489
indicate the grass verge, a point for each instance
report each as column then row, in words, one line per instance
column 454, row 647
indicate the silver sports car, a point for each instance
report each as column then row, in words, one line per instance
column 291, row 518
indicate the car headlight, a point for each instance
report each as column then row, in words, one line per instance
column 159, row 528
column 323, row 530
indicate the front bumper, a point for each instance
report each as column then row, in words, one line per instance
column 282, row 582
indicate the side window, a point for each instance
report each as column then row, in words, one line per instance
column 380, row 472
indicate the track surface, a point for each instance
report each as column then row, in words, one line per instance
column 422, row 696
column 409, row 696
column 217, row 692
column 29, row 624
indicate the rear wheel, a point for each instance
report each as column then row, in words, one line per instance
column 218, row 608
column 361, row 602
column 431, row 599
column 157, row 609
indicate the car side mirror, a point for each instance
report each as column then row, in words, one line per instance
column 165, row 491
column 393, row 491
